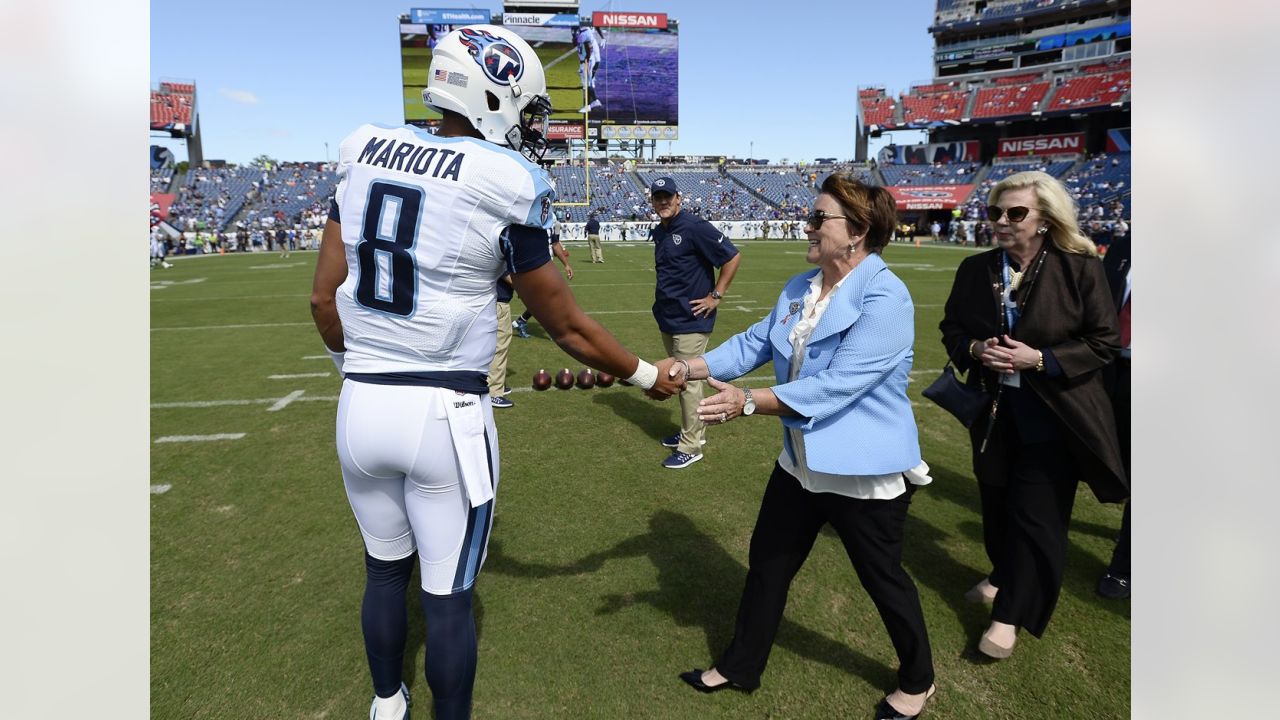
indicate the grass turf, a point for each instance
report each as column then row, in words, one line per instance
column 607, row 575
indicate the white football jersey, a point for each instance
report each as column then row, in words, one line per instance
column 588, row 36
column 422, row 218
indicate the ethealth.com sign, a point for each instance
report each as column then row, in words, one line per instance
column 448, row 16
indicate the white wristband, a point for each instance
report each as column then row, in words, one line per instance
column 338, row 357
column 645, row 375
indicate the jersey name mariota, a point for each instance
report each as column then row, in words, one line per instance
column 423, row 220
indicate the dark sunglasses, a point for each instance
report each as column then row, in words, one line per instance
column 816, row 218
column 1016, row 214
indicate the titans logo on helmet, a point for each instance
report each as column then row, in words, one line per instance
column 500, row 62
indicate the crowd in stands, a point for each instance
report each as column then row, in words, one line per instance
column 935, row 174
column 249, row 207
column 1097, row 85
column 172, row 104
column 1104, row 179
column 161, row 178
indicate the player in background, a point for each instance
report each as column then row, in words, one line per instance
column 420, row 228
column 589, row 47
column 158, row 249
column 521, row 323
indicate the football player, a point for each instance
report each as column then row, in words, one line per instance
column 420, row 228
column 588, row 42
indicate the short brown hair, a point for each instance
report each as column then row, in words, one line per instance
column 870, row 209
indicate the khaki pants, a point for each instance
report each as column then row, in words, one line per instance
column 688, row 347
column 498, row 368
column 597, row 255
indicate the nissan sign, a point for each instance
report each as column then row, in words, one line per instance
column 1072, row 143
column 656, row 21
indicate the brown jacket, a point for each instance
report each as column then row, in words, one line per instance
column 1069, row 312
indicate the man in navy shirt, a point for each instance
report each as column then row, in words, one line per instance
column 687, row 249
column 593, row 239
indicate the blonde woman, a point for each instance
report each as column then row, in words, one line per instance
column 1034, row 317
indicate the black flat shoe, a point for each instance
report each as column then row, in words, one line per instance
column 694, row 678
column 885, row 711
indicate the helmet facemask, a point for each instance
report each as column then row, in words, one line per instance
column 529, row 136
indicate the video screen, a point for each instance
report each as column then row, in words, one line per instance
column 638, row 81
column 616, row 75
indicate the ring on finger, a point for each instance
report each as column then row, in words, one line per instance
column 724, row 417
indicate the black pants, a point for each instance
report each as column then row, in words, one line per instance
column 1024, row 528
column 1122, row 403
column 871, row 530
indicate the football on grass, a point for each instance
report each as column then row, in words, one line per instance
column 541, row 380
column 564, row 379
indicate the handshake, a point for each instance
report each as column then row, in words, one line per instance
column 673, row 374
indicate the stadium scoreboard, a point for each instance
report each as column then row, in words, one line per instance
column 611, row 76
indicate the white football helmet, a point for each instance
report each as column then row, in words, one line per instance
column 492, row 77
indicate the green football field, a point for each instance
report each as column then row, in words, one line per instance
column 607, row 574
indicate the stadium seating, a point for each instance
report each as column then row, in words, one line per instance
column 172, row 103
column 933, row 103
column 1007, row 98
column 785, row 188
column 710, row 194
column 1101, row 180
column 877, row 107
column 287, row 192
column 1091, row 90
column 938, row 174
column 161, row 178
column 614, row 193
column 210, row 198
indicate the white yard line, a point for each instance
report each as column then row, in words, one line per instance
column 234, row 327
column 160, row 489
column 315, row 357
column 199, row 438
column 285, row 401
column 295, row 376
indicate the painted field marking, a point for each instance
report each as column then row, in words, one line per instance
column 198, row 404
column 284, row 402
column 275, row 266
column 315, row 357
column 234, row 327
column 199, row 438
column 163, row 284
column 229, row 297
column 160, row 489
column 295, row 376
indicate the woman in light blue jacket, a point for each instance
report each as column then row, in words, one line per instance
column 840, row 341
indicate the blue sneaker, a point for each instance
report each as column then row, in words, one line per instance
column 521, row 327
column 373, row 707
column 501, row 402
column 680, row 460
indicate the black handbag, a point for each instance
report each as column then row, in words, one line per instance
column 966, row 403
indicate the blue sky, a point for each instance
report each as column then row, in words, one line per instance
column 284, row 78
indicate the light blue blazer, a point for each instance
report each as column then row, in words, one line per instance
column 852, row 389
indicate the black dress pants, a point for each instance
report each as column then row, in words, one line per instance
column 1024, row 528
column 871, row 531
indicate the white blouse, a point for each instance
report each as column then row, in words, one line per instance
column 860, row 487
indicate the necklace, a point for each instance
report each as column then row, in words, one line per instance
column 1015, row 278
